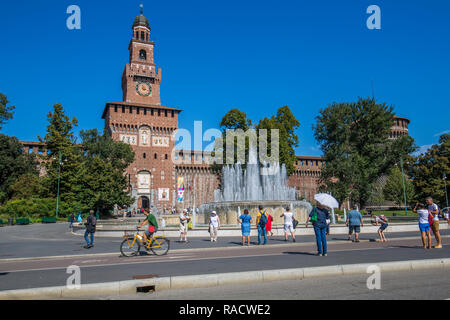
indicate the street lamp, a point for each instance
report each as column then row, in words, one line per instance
column 445, row 186
column 403, row 183
column 59, row 178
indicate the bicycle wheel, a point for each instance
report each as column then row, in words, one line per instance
column 160, row 246
column 128, row 251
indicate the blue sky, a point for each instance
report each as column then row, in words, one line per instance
column 216, row 55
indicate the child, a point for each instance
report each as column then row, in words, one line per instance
column 384, row 224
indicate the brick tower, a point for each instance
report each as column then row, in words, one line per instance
column 141, row 121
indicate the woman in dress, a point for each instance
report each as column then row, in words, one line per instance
column 214, row 225
column 245, row 221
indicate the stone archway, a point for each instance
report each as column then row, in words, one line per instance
column 143, row 202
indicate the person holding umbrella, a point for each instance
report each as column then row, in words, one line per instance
column 318, row 217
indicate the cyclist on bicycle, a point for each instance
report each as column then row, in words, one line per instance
column 153, row 225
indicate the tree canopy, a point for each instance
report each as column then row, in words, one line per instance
column 354, row 137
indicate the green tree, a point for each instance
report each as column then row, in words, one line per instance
column 428, row 170
column 103, row 177
column 26, row 186
column 13, row 164
column 354, row 138
column 393, row 190
column 6, row 112
column 60, row 139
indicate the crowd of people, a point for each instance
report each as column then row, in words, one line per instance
column 319, row 218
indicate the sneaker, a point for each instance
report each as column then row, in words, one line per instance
column 324, row 255
column 357, row 240
column 87, row 246
column 293, row 240
column 438, row 246
column 319, row 254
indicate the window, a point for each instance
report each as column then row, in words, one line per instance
column 173, row 114
column 145, row 111
column 123, row 109
column 165, row 113
column 131, row 109
column 142, row 54
column 137, row 35
column 137, row 110
column 142, row 35
column 152, row 112
column 115, row 108
column 166, row 156
column 156, row 156
column 159, row 112
column 144, row 155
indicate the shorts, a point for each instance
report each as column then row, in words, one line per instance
column 424, row 227
column 183, row 227
column 288, row 227
column 148, row 233
column 435, row 226
column 383, row 226
column 357, row 229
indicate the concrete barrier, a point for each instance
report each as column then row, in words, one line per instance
column 211, row 280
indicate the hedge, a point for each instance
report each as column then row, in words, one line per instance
column 36, row 208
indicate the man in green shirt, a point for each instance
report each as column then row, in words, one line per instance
column 153, row 225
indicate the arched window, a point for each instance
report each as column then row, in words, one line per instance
column 144, row 155
column 143, row 55
column 142, row 35
column 156, row 156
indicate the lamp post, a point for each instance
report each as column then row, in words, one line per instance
column 403, row 183
column 59, row 178
column 445, row 186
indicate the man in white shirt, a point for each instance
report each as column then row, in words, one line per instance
column 434, row 210
column 184, row 220
column 288, row 224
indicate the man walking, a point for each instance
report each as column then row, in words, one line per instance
column 91, row 224
column 434, row 210
column 261, row 221
column 354, row 223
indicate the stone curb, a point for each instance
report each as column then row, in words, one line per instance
column 212, row 280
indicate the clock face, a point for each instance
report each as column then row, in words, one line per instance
column 143, row 89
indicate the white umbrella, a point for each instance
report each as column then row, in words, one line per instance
column 326, row 200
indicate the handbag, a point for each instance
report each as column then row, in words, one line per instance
column 294, row 223
column 314, row 216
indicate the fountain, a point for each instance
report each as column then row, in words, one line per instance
column 259, row 184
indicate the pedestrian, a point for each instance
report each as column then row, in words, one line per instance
column 245, row 220
column 261, row 221
column 269, row 225
column 383, row 221
column 434, row 211
column 288, row 224
column 184, row 220
column 71, row 220
column 91, row 224
column 79, row 218
column 424, row 224
column 318, row 216
column 214, row 225
column 354, row 223
column 446, row 215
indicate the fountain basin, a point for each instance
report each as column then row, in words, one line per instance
column 229, row 211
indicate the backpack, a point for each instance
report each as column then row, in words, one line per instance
column 314, row 216
column 263, row 219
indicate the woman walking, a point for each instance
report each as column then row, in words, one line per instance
column 269, row 225
column 318, row 217
column 288, row 224
column 214, row 225
column 245, row 220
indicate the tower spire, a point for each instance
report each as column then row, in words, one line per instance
column 142, row 8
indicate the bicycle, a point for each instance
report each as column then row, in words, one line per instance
column 131, row 245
